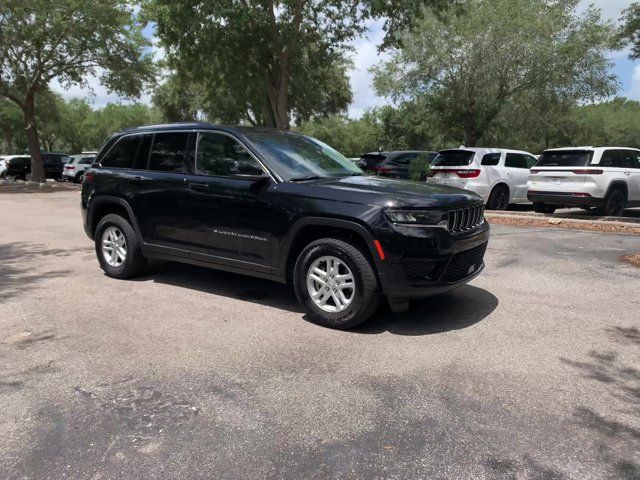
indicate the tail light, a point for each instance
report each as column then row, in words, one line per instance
column 588, row 172
column 88, row 177
column 465, row 173
column 381, row 169
column 533, row 172
column 69, row 167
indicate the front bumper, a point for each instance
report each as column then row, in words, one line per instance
column 423, row 267
column 561, row 198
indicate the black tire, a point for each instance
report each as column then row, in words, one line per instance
column 543, row 208
column 614, row 204
column 499, row 198
column 79, row 177
column 366, row 292
column 135, row 261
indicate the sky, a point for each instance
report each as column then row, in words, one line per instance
column 365, row 55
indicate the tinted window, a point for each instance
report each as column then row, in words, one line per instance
column 122, row 153
column 611, row 158
column 453, row 158
column 569, row 158
column 515, row 160
column 219, row 154
column 371, row 160
column 491, row 159
column 167, row 153
column 530, row 161
column 404, row 158
column 142, row 155
column 86, row 161
column 629, row 158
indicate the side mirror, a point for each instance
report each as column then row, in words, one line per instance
column 257, row 179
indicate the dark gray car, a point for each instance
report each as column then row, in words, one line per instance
column 393, row 164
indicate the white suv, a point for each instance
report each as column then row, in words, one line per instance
column 74, row 168
column 497, row 174
column 604, row 177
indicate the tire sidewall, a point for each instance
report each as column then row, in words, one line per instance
column 123, row 270
column 609, row 204
column 310, row 255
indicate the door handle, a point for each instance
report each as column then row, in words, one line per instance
column 198, row 186
column 137, row 179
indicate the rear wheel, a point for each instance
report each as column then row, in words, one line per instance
column 543, row 208
column 79, row 177
column 335, row 283
column 117, row 248
column 614, row 204
column 499, row 198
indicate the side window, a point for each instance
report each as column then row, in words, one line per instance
column 122, row 153
column 86, row 161
column 530, row 161
column 167, row 152
column 404, row 159
column 142, row 156
column 628, row 158
column 515, row 160
column 611, row 158
column 221, row 155
column 491, row 159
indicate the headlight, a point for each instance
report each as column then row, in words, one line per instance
column 435, row 218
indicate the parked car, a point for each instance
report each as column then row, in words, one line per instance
column 53, row 164
column 392, row 164
column 16, row 166
column 280, row 206
column 498, row 175
column 607, row 178
column 74, row 169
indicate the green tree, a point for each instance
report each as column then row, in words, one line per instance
column 630, row 30
column 66, row 40
column 11, row 126
column 471, row 64
column 265, row 62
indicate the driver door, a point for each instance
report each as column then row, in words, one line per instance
column 232, row 219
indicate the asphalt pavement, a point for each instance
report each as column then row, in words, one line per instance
column 531, row 371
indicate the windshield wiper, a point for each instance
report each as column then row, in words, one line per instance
column 302, row 179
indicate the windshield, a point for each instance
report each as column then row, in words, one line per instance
column 569, row 158
column 453, row 158
column 298, row 157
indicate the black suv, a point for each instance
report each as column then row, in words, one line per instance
column 395, row 164
column 280, row 206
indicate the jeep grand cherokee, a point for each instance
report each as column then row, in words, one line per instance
column 280, row 206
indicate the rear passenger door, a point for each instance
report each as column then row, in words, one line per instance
column 159, row 186
column 630, row 160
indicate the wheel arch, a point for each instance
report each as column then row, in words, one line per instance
column 618, row 185
column 105, row 205
column 306, row 230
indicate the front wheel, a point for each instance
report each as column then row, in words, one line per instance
column 117, row 248
column 335, row 283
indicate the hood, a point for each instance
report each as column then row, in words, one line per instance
column 381, row 191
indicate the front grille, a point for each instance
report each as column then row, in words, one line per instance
column 464, row 264
column 464, row 219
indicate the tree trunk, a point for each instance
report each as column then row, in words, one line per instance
column 8, row 142
column 37, row 166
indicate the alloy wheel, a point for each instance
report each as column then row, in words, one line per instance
column 114, row 246
column 331, row 284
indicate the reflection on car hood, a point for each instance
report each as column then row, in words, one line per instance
column 374, row 190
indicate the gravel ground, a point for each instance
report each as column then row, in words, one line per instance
column 531, row 371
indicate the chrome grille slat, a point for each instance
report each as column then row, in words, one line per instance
column 464, row 219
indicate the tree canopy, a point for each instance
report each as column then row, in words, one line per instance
column 67, row 40
column 472, row 63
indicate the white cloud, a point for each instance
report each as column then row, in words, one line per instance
column 633, row 92
column 611, row 9
column 365, row 56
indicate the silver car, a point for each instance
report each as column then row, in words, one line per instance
column 74, row 168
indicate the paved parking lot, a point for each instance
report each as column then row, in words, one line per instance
column 532, row 371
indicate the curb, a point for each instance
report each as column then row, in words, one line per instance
column 556, row 220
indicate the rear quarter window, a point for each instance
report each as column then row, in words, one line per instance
column 491, row 159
